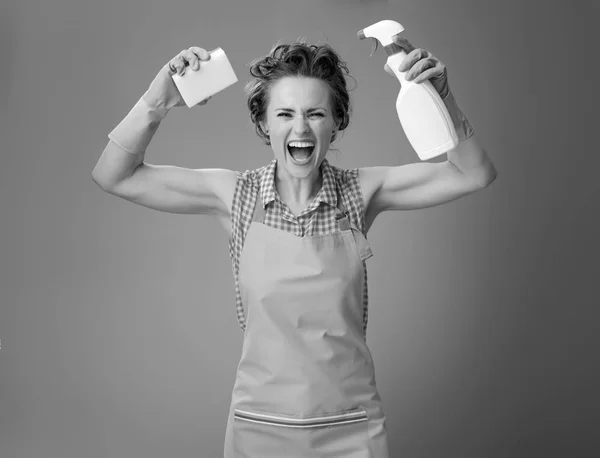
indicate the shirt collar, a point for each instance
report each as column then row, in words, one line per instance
column 326, row 194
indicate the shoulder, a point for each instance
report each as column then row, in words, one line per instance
column 253, row 176
column 344, row 178
column 353, row 193
column 248, row 179
column 363, row 182
column 247, row 186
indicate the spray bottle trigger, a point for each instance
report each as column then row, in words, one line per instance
column 376, row 45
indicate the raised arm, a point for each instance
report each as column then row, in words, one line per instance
column 121, row 169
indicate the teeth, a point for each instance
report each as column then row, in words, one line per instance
column 301, row 144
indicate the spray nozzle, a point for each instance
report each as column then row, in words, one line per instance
column 381, row 33
column 361, row 36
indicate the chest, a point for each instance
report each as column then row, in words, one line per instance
column 367, row 187
column 275, row 260
column 296, row 208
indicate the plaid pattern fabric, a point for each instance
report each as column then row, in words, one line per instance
column 317, row 219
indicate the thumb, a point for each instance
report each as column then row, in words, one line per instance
column 204, row 102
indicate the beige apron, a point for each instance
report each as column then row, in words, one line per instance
column 305, row 384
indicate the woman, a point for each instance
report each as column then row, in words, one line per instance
column 305, row 384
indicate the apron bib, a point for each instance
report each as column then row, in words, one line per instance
column 305, row 384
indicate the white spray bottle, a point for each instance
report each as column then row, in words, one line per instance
column 423, row 115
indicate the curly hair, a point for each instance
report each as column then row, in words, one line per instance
column 298, row 59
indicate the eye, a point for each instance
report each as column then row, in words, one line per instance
column 314, row 114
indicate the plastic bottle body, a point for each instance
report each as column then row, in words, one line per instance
column 423, row 115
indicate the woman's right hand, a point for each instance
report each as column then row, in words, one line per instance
column 162, row 91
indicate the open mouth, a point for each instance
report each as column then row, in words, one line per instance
column 301, row 154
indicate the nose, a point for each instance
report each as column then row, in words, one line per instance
column 301, row 124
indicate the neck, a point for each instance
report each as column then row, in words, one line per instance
column 300, row 191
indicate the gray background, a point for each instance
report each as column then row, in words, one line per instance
column 117, row 323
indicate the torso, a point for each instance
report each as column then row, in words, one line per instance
column 368, row 188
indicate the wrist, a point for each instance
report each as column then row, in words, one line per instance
column 156, row 110
column 463, row 127
column 134, row 133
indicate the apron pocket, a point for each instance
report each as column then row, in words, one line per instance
column 267, row 435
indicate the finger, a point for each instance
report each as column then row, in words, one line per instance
column 412, row 58
column 204, row 102
column 403, row 43
column 418, row 68
column 427, row 74
column 176, row 66
column 197, row 54
column 202, row 53
column 179, row 63
column 190, row 59
column 172, row 67
column 193, row 59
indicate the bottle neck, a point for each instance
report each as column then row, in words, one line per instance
column 392, row 49
column 393, row 62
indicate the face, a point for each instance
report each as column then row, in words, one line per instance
column 299, row 109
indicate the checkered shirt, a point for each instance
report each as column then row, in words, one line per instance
column 317, row 219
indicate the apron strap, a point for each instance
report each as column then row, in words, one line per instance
column 346, row 224
column 342, row 220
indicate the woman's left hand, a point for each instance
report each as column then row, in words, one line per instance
column 420, row 65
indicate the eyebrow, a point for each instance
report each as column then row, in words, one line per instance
column 310, row 109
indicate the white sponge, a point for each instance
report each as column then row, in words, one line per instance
column 213, row 76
